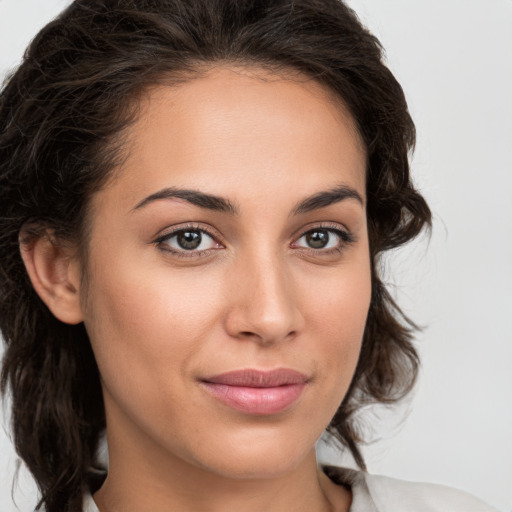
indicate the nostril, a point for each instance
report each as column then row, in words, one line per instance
column 263, row 338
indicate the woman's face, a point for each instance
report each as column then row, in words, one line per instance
column 228, row 274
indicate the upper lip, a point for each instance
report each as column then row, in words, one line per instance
column 258, row 378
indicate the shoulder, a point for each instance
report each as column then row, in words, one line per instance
column 390, row 494
column 375, row 493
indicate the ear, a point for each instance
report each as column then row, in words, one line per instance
column 54, row 271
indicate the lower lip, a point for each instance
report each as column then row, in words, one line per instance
column 256, row 400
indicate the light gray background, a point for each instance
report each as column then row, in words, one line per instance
column 454, row 60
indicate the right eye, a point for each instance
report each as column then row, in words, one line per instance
column 187, row 242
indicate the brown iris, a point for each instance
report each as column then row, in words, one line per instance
column 189, row 240
column 317, row 239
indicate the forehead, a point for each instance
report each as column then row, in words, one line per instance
column 242, row 126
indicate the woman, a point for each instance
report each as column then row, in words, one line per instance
column 195, row 197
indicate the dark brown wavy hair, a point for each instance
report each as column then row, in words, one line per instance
column 62, row 114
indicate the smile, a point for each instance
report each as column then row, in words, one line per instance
column 257, row 392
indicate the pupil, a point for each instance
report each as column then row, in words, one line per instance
column 317, row 239
column 189, row 239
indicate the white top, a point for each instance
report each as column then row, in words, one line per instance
column 374, row 493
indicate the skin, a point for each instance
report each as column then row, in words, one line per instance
column 257, row 295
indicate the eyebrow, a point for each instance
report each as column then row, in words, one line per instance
column 194, row 197
column 326, row 198
column 220, row 204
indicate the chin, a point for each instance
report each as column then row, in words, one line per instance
column 260, row 455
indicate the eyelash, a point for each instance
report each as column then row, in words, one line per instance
column 160, row 241
column 346, row 238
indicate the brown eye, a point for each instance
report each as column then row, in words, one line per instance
column 317, row 239
column 324, row 239
column 188, row 240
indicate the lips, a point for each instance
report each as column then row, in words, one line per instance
column 257, row 392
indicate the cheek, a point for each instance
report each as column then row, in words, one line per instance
column 337, row 313
column 144, row 324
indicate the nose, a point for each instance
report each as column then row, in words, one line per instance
column 264, row 304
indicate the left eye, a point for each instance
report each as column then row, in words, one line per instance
column 188, row 240
column 320, row 239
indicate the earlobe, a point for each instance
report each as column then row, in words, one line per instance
column 54, row 272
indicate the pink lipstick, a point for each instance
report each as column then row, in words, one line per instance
column 255, row 391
